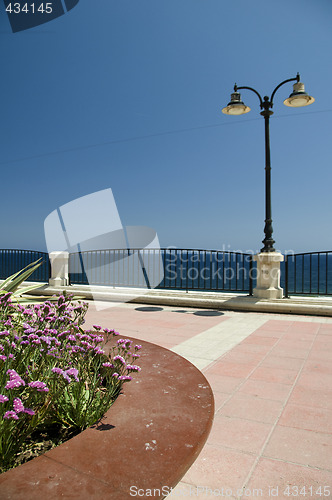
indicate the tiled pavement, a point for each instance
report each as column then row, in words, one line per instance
column 272, row 381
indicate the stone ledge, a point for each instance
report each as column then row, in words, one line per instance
column 232, row 301
column 147, row 440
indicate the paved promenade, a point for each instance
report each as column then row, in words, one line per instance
column 272, row 381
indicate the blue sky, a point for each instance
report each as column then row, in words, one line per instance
column 127, row 94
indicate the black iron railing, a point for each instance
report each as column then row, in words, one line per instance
column 12, row 261
column 169, row 268
column 178, row 269
column 307, row 274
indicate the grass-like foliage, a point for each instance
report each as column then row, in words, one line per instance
column 52, row 372
column 13, row 283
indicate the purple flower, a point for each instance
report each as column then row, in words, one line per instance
column 96, row 327
column 98, row 350
column 10, row 415
column 125, row 378
column 40, row 386
column 126, row 342
column 28, row 411
column 3, row 398
column 3, row 358
column 57, row 370
column 133, row 368
column 29, row 330
column 18, row 405
column 15, row 380
column 98, row 339
column 46, row 339
column 137, row 347
column 6, row 296
column 32, row 336
column 115, row 375
column 108, row 365
column 120, row 358
column 73, row 372
column 77, row 348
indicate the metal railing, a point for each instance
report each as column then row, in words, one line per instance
column 12, row 261
column 178, row 269
column 167, row 268
column 191, row 269
column 307, row 273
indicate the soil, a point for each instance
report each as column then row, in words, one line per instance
column 44, row 440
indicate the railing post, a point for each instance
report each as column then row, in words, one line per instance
column 250, row 275
column 286, row 276
column 59, row 269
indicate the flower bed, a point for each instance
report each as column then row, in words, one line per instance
column 53, row 373
column 142, row 447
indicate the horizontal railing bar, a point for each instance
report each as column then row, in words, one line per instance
column 163, row 249
column 309, row 253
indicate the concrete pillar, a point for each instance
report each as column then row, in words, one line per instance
column 268, row 275
column 59, row 269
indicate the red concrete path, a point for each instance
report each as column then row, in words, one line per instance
column 272, row 433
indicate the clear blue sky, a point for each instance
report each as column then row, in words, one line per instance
column 127, row 94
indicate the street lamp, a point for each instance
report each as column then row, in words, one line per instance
column 297, row 99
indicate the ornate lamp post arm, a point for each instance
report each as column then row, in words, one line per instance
column 282, row 83
column 236, row 88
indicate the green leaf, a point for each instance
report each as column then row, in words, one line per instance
column 12, row 283
column 26, row 289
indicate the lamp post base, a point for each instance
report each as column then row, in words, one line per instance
column 268, row 275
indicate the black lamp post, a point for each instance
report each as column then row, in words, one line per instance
column 298, row 98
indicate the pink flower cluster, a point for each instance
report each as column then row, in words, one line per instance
column 14, row 380
column 67, row 374
column 40, row 386
column 18, row 407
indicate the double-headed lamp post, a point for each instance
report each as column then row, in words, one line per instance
column 297, row 98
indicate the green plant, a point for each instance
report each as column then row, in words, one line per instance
column 52, row 372
column 13, row 282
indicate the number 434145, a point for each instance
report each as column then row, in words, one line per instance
column 17, row 8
